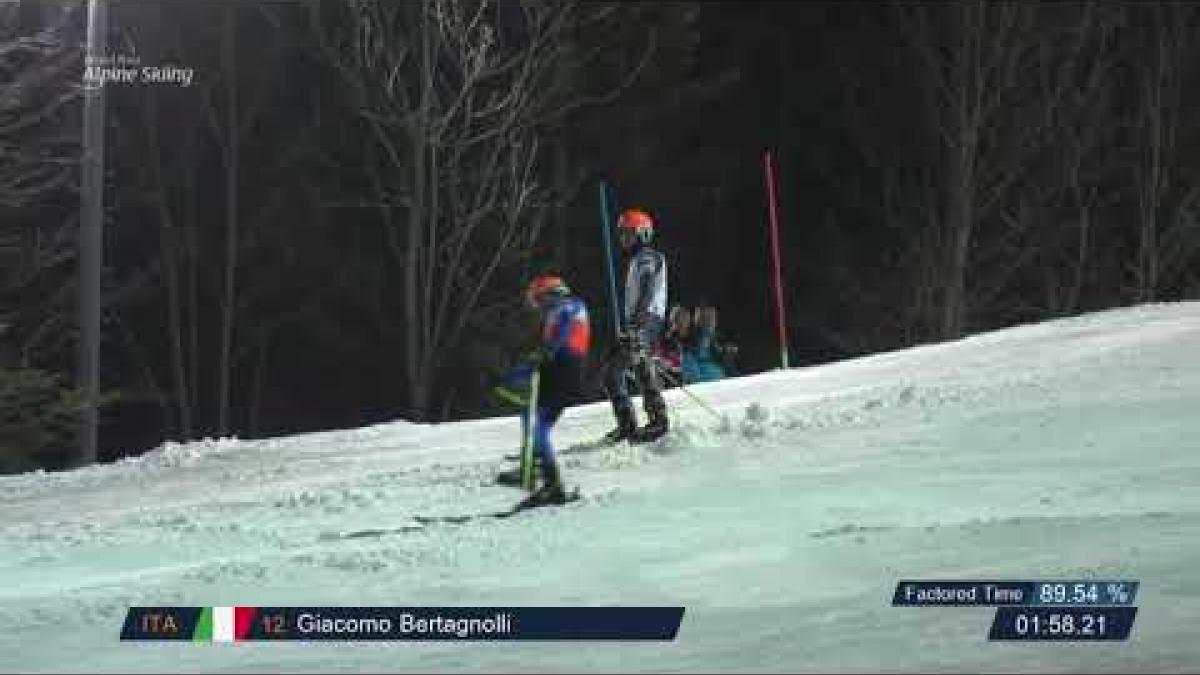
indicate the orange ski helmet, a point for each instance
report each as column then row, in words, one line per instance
column 543, row 285
column 637, row 223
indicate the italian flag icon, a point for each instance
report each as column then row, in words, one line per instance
column 224, row 624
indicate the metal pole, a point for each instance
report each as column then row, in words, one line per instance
column 606, row 231
column 91, row 234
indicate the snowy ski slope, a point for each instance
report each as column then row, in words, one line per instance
column 1069, row 449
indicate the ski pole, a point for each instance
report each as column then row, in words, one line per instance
column 679, row 382
column 530, row 434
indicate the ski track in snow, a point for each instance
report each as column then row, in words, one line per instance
column 1056, row 450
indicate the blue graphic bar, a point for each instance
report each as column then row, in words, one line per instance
column 1063, row 623
column 433, row 623
column 1018, row 593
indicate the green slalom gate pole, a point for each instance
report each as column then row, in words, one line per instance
column 530, row 425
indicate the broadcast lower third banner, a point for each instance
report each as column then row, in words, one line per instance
column 238, row 624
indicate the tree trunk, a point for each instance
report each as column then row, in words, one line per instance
column 233, row 141
column 1147, row 280
column 170, row 247
column 1081, row 257
column 413, row 278
column 961, row 148
column 264, row 347
column 192, row 258
column 954, row 300
column 91, row 241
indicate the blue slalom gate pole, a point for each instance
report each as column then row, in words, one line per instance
column 606, row 231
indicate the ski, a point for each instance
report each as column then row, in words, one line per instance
column 519, row 507
column 420, row 522
column 370, row 533
column 591, row 446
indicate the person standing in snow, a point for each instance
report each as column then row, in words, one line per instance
column 560, row 360
column 669, row 350
column 642, row 327
column 701, row 357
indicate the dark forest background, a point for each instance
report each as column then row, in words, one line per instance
column 331, row 225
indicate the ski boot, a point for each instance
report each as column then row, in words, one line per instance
column 551, row 493
column 657, row 425
column 626, row 424
column 512, row 477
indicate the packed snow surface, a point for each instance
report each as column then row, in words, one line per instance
column 1068, row 449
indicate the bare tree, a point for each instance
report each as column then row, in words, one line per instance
column 1047, row 227
column 179, row 255
column 38, row 160
column 1166, row 198
column 1008, row 171
column 456, row 96
column 205, row 276
column 1087, row 144
column 972, row 59
column 945, row 165
column 232, row 121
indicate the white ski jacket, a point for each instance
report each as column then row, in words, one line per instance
column 645, row 286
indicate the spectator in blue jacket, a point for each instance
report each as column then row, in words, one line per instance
column 700, row 360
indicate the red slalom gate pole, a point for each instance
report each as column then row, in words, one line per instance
column 772, row 205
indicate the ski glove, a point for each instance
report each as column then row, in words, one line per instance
column 509, row 396
column 538, row 356
column 517, row 376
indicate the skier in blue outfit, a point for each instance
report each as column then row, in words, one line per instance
column 560, row 360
